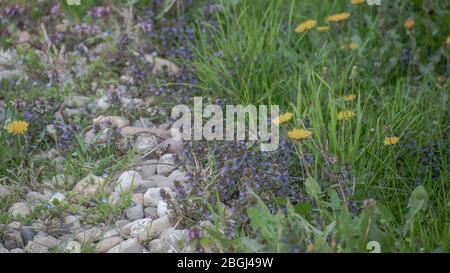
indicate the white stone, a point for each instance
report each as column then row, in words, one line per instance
column 12, row 239
column 107, row 244
column 57, row 197
column 20, row 209
column 88, row 186
column 159, row 246
column 72, row 222
column 131, row 103
column 35, row 197
column 152, row 197
column 172, row 240
column 59, row 181
column 162, row 66
column 166, row 164
column 138, row 199
column 147, row 184
column 111, row 121
column 156, row 227
column 162, row 181
column 61, row 27
column 148, row 168
column 140, row 226
column 16, row 225
column 101, row 105
column 89, row 235
column 179, row 176
column 73, row 247
column 74, row 112
column 135, row 213
column 111, row 233
column 76, row 101
column 161, row 224
column 151, row 212
column 161, row 209
column 170, row 145
column 129, row 246
column 127, row 180
column 125, row 229
column 145, row 144
column 51, row 131
column 41, row 244
column 16, row 250
column 99, row 137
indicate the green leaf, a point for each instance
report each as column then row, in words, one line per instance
column 417, row 202
column 303, row 209
column 336, row 203
column 418, row 199
column 312, row 187
column 252, row 245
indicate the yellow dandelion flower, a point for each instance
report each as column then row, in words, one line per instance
column 338, row 17
column 349, row 97
column 299, row 134
column 409, row 24
column 17, row 127
column 283, row 118
column 448, row 40
column 323, row 28
column 343, row 115
column 357, row 2
column 308, row 24
column 391, row 140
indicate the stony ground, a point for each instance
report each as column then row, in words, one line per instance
column 149, row 182
column 129, row 209
column 88, row 164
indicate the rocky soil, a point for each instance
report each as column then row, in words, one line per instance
column 148, row 224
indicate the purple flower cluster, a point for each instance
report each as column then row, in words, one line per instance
column 430, row 159
column 33, row 109
column 66, row 133
column 85, row 29
column 145, row 26
column 55, row 9
column 99, row 12
column 176, row 42
column 12, row 10
column 242, row 169
column 195, row 233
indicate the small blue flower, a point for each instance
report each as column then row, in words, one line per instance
column 28, row 116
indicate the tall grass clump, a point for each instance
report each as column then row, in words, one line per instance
column 370, row 91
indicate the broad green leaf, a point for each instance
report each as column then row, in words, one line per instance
column 417, row 202
column 303, row 209
column 312, row 187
